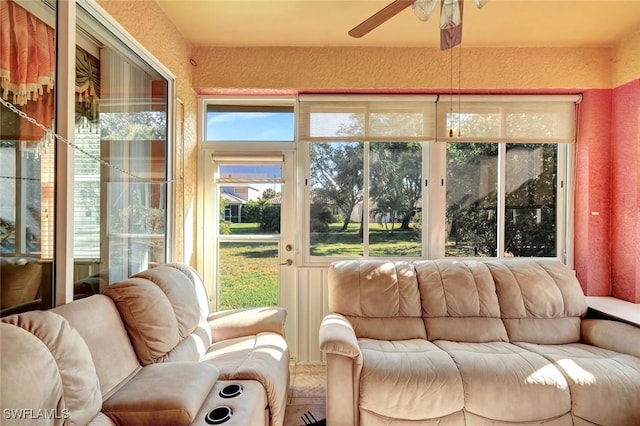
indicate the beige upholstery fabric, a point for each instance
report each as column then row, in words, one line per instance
column 27, row 381
column 541, row 301
column 96, row 319
column 20, row 279
column 67, row 367
column 234, row 323
column 612, row 335
column 502, row 347
column 249, row 408
column 146, row 313
column 408, row 379
column 162, row 394
column 181, row 294
column 504, row 382
column 605, row 385
column 459, row 301
column 263, row 357
column 380, row 298
column 165, row 310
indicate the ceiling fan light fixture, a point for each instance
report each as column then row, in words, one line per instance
column 423, row 9
column 480, row 3
column 450, row 16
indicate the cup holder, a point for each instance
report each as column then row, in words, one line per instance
column 218, row 415
column 231, row 391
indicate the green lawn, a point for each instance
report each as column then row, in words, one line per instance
column 248, row 274
column 249, row 270
column 382, row 242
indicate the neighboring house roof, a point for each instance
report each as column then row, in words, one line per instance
column 275, row 200
column 232, row 199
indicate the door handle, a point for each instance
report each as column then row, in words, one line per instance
column 287, row 262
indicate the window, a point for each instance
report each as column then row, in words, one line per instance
column 380, row 184
column 119, row 184
column 27, row 156
column 121, row 172
column 249, row 123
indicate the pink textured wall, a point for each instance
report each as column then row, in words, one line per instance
column 625, row 192
column 592, row 215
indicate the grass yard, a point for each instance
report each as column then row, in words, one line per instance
column 382, row 242
column 248, row 274
column 249, row 270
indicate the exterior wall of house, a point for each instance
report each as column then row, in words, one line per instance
column 146, row 22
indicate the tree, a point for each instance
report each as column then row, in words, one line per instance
column 396, row 180
column 337, row 176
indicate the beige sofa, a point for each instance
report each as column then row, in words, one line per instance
column 447, row 342
column 146, row 352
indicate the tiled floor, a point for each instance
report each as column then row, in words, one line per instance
column 306, row 393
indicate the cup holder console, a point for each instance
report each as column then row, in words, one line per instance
column 218, row 415
column 231, row 391
column 222, row 413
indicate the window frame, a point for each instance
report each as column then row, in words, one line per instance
column 434, row 173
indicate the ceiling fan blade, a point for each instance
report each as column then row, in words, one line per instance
column 380, row 17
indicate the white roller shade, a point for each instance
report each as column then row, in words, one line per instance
column 503, row 118
column 367, row 118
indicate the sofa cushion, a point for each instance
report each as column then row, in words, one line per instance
column 541, row 301
column 57, row 372
column 504, row 382
column 459, row 301
column 380, row 298
column 160, row 309
column 408, row 379
column 605, row 385
column 162, row 394
column 20, row 279
column 263, row 357
column 96, row 319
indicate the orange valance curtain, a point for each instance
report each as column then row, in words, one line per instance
column 27, row 66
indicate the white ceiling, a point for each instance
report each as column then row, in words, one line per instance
column 326, row 23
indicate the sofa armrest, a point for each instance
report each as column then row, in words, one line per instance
column 337, row 337
column 234, row 323
column 616, row 336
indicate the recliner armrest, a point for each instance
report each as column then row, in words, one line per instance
column 338, row 337
column 234, row 323
column 612, row 335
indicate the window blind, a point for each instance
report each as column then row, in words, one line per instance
column 507, row 118
column 367, row 118
column 468, row 118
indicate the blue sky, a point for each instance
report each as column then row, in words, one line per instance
column 250, row 126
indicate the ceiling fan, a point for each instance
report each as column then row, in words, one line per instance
column 450, row 18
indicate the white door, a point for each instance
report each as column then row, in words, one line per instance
column 249, row 253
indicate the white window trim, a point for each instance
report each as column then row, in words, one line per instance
column 434, row 195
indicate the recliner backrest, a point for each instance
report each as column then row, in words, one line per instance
column 380, row 298
column 163, row 315
column 47, row 368
column 97, row 321
column 459, row 301
column 541, row 300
